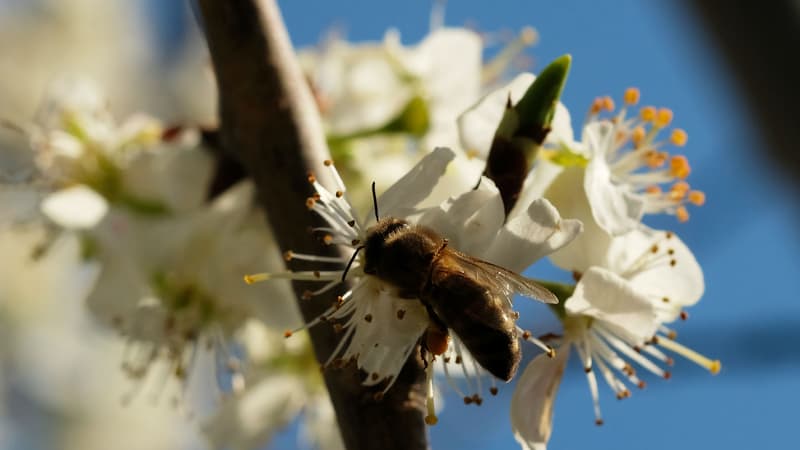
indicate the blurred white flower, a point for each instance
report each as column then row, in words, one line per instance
column 172, row 285
column 281, row 382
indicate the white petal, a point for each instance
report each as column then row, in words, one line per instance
column 538, row 180
column 381, row 339
column 75, row 207
column 590, row 247
column 606, row 296
column 478, row 123
column 614, row 208
column 528, row 237
column 400, row 199
column 534, row 396
column 682, row 283
column 470, row 221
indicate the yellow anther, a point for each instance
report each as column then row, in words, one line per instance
column 663, row 117
column 648, row 113
column 528, row 35
column 678, row 137
column 679, row 167
column 680, row 187
column 682, row 214
column 328, row 239
column 655, row 159
column 255, row 278
column 597, row 106
column 697, row 198
column 715, row 367
column 431, row 419
column 637, row 135
column 631, row 96
column 655, row 189
column 608, row 103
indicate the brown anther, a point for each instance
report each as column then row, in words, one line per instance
column 327, row 162
column 287, row 334
column 477, row 399
column 654, row 248
column 526, row 335
column 351, row 223
column 458, row 359
column 671, row 251
column 311, row 178
column 287, row 255
column 378, row 396
column 374, row 376
column 355, row 242
column 587, row 369
column 653, row 340
column 669, row 361
column 670, row 234
column 641, row 384
column 672, row 262
column 467, row 400
column 684, row 315
column 598, row 422
column 316, row 196
column 493, row 390
column 672, row 335
column 576, row 275
column 515, row 315
column 400, row 314
column 667, row 375
column 665, row 299
column 637, row 349
column 310, row 203
column 368, row 318
column 339, row 300
column 307, row 295
column 337, row 328
column 339, row 194
column 316, row 274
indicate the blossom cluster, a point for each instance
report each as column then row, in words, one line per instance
column 121, row 213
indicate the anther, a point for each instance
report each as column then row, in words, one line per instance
column 328, row 162
column 327, row 239
column 355, row 242
column 598, row 422
column 339, row 194
column 528, row 35
column 682, row 214
column 310, row 202
column 311, row 178
column 493, row 390
column 608, row 104
column 654, row 248
column 671, row 251
column 678, row 137
column 287, row 334
column 374, row 376
column 526, row 335
column 641, row 384
column 672, row 335
column 477, row 399
column 337, row 328
column 587, row 369
column 307, row 295
column 679, row 167
column 431, row 420
column 351, row 223
column 684, row 315
column 378, row 396
column 667, row 375
column 648, row 113
column 368, row 318
column 458, row 359
column 673, row 262
column 467, row 400
column 287, row 255
column 631, row 96
column 663, row 117
column 400, row 314
column 665, row 299
column 697, row 198
column 637, row 135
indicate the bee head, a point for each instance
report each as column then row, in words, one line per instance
column 375, row 245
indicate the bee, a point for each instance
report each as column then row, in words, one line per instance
column 470, row 296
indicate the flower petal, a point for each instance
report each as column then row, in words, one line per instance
column 478, row 123
column 470, row 221
column 75, row 207
column 534, row 396
column 606, row 296
column 528, row 237
column 400, row 199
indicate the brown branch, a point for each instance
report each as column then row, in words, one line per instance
column 269, row 121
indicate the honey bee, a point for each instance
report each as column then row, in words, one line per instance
column 470, row 296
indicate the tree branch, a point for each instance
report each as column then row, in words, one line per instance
column 270, row 122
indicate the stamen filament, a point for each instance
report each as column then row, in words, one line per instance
column 712, row 365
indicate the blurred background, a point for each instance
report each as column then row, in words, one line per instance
column 149, row 56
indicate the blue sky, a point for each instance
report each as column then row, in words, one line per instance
column 745, row 236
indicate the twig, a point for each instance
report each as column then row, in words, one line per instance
column 269, row 121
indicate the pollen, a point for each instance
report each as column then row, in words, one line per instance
column 678, row 137
column 608, row 103
column 255, row 278
column 648, row 114
column 679, row 167
column 682, row 214
column 697, row 198
column 638, row 134
column 631, row 96
column 663, row 117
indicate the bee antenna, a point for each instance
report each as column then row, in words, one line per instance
column 375, row 202
column 350, row 263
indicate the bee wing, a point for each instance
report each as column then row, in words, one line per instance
column 503, row 280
